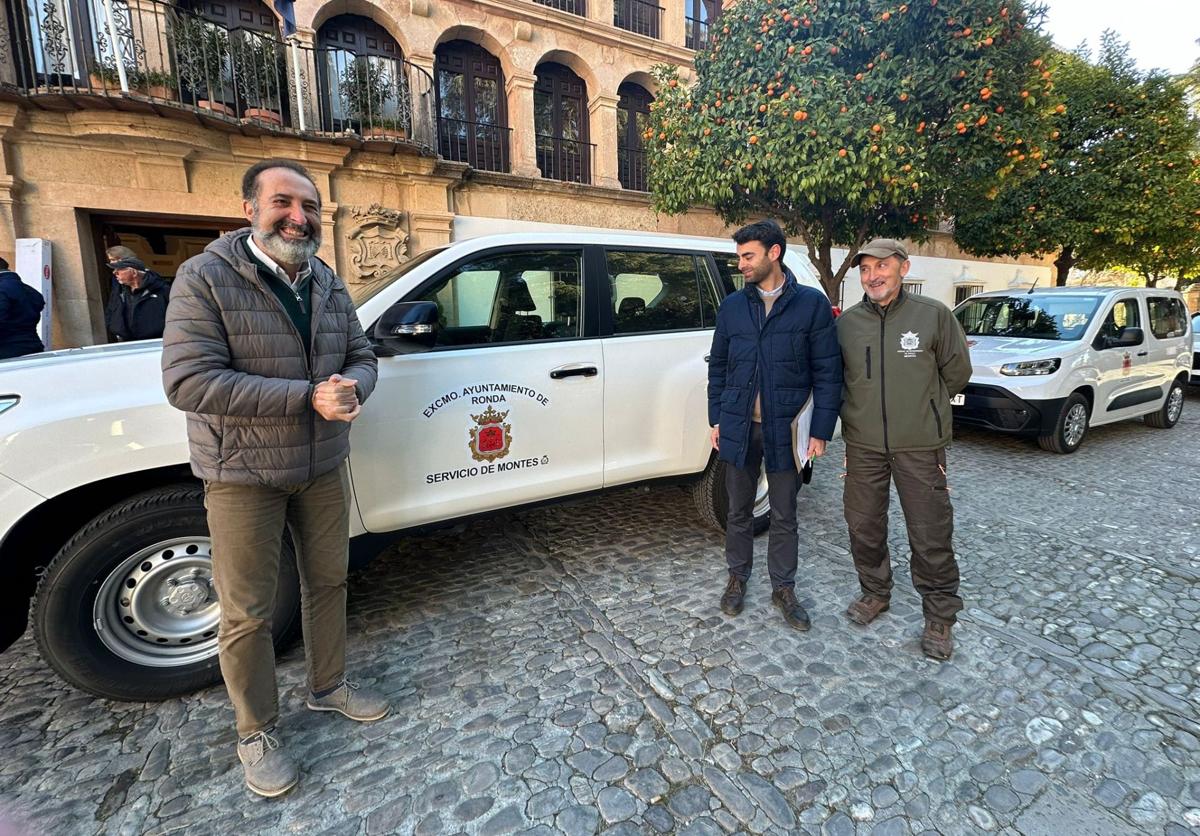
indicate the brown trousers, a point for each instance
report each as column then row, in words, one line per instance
column 920, row 478
column 246, row 524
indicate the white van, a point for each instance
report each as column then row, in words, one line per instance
column 1053, row 362
column 513, row 369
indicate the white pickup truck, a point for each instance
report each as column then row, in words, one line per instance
column 514, row 369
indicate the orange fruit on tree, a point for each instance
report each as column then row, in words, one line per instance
column 1024, row 94
column 800, row 115
column 791, row 49
column 904, row 97
column 985, row 93
column 886, row 16
column 762, row 108
column 1062, row 108
column 961, row 127
column 988, row 41
column 707, row 131
column 842, row 152
column 877, row 127
column 754, row 140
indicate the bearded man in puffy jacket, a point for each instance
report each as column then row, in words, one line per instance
column 905, row 357
column 264, row 352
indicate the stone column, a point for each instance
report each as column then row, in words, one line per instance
column 9, row 185
column 522, row 141
column 602, row 111
column 308, row 97
column 674, row 29
column 420, row 85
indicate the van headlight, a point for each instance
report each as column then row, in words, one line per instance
column 7, row 402
column 1031, row 367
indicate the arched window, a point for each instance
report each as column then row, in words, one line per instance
column 363, row 78
column 472, row 117
column 633, row 114
column 560, row 120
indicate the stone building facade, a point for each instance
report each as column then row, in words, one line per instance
column 134, row 127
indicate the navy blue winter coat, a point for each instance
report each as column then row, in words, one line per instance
column 786, row 355
column 20, row 309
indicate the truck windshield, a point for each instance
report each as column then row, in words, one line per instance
column 1035, row 316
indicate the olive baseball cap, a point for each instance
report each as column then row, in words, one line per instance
column 880, row 248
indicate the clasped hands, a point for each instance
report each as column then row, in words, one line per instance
column 336, row 399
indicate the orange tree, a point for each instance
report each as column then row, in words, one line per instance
column 1116, row 186
column 849, row 119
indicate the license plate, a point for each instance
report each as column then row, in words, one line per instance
column 958, row 400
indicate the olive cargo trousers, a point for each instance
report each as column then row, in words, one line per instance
column 920, row 478
column 246, row 524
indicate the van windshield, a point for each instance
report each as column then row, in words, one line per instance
column 362, row 294
column 1035, row 316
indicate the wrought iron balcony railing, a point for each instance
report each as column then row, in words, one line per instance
column 696, row 33
column 640, row 16
column 481, row 145
column 154, row 51
column 632, row 170
column 565, row 159
column 575, row 7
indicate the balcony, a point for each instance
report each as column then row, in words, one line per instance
column 638, row 16
column 480, row 145
column 565, row 159
column 696, row 33
column 575, row 7
column 631, row 169
column 157, row 57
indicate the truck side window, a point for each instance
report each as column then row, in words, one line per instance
column 510, row 297
column 654, row 292
column 1124, row 314
column 1168, row 318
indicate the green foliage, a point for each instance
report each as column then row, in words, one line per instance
column 366, row 87
column 259, row 69
column 850, row 119
column 138, row 79
column 1113, row 188
column 201, row 54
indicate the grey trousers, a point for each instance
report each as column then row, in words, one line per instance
column 246, row 524
column 741, row 483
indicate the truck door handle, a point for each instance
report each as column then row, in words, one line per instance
column 1142, row 353
column 573, row 371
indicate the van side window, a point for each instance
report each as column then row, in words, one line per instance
column 1124, row 314
column 655, row 292
column 1168, row 318
column 731, row 276
column 510, row 297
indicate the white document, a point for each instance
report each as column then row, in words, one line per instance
column 802, row 433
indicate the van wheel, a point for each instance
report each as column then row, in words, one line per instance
column 1172, row 408
column 1070, row 428
column 127, row 610
column 712, row 500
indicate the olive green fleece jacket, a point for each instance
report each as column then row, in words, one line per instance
column 902, row 364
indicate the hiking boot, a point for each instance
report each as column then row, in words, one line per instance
column 866, row 608
column 356, row 703
column 936, row 641
column 269, row 771
column 785, row 598
column 734, row 597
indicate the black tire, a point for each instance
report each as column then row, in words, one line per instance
column 151, row 543
column 1172, row 408
column 1068, row 432
column 712, row 500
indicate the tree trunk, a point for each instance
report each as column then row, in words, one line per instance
column 1065, row 261
column 1151, row 281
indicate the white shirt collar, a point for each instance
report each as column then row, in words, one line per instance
column 256, row 250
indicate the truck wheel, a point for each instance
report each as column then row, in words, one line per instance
column 712, row 501
column 1172, row 408
column 127, row 611
column 1070, row 428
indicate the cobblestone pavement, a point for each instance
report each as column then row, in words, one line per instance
column 567, row 670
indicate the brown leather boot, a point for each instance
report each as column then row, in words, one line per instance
column 866, row 608
column 936, row 641
column 734, row 597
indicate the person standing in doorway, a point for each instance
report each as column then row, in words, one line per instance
column 137, row 308
column 905, row 356
column 775, row 344
column 264, row 352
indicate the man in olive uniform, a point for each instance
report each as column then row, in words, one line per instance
column 904, row 357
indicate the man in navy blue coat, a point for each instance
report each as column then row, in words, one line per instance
column 774, row 346
column 20, row 312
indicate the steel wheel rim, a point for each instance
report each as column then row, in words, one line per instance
column 762, row 498
column 158, row 607
column 1175, row 404
column 1075, row 424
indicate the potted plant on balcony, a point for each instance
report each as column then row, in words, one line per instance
column 260, row 72
column 203, row 60
column 155, row 84
column 366, row 88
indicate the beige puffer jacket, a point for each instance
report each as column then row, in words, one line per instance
column 233, row 360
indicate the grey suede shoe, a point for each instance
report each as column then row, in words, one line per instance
column 356, row 703
column 269, row 771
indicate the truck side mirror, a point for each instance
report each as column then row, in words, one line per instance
column 408, row 327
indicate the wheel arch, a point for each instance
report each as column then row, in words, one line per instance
column 1089, row 394
column 37, row 537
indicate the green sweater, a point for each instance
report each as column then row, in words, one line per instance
column 902, row 365
column 297, row 303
